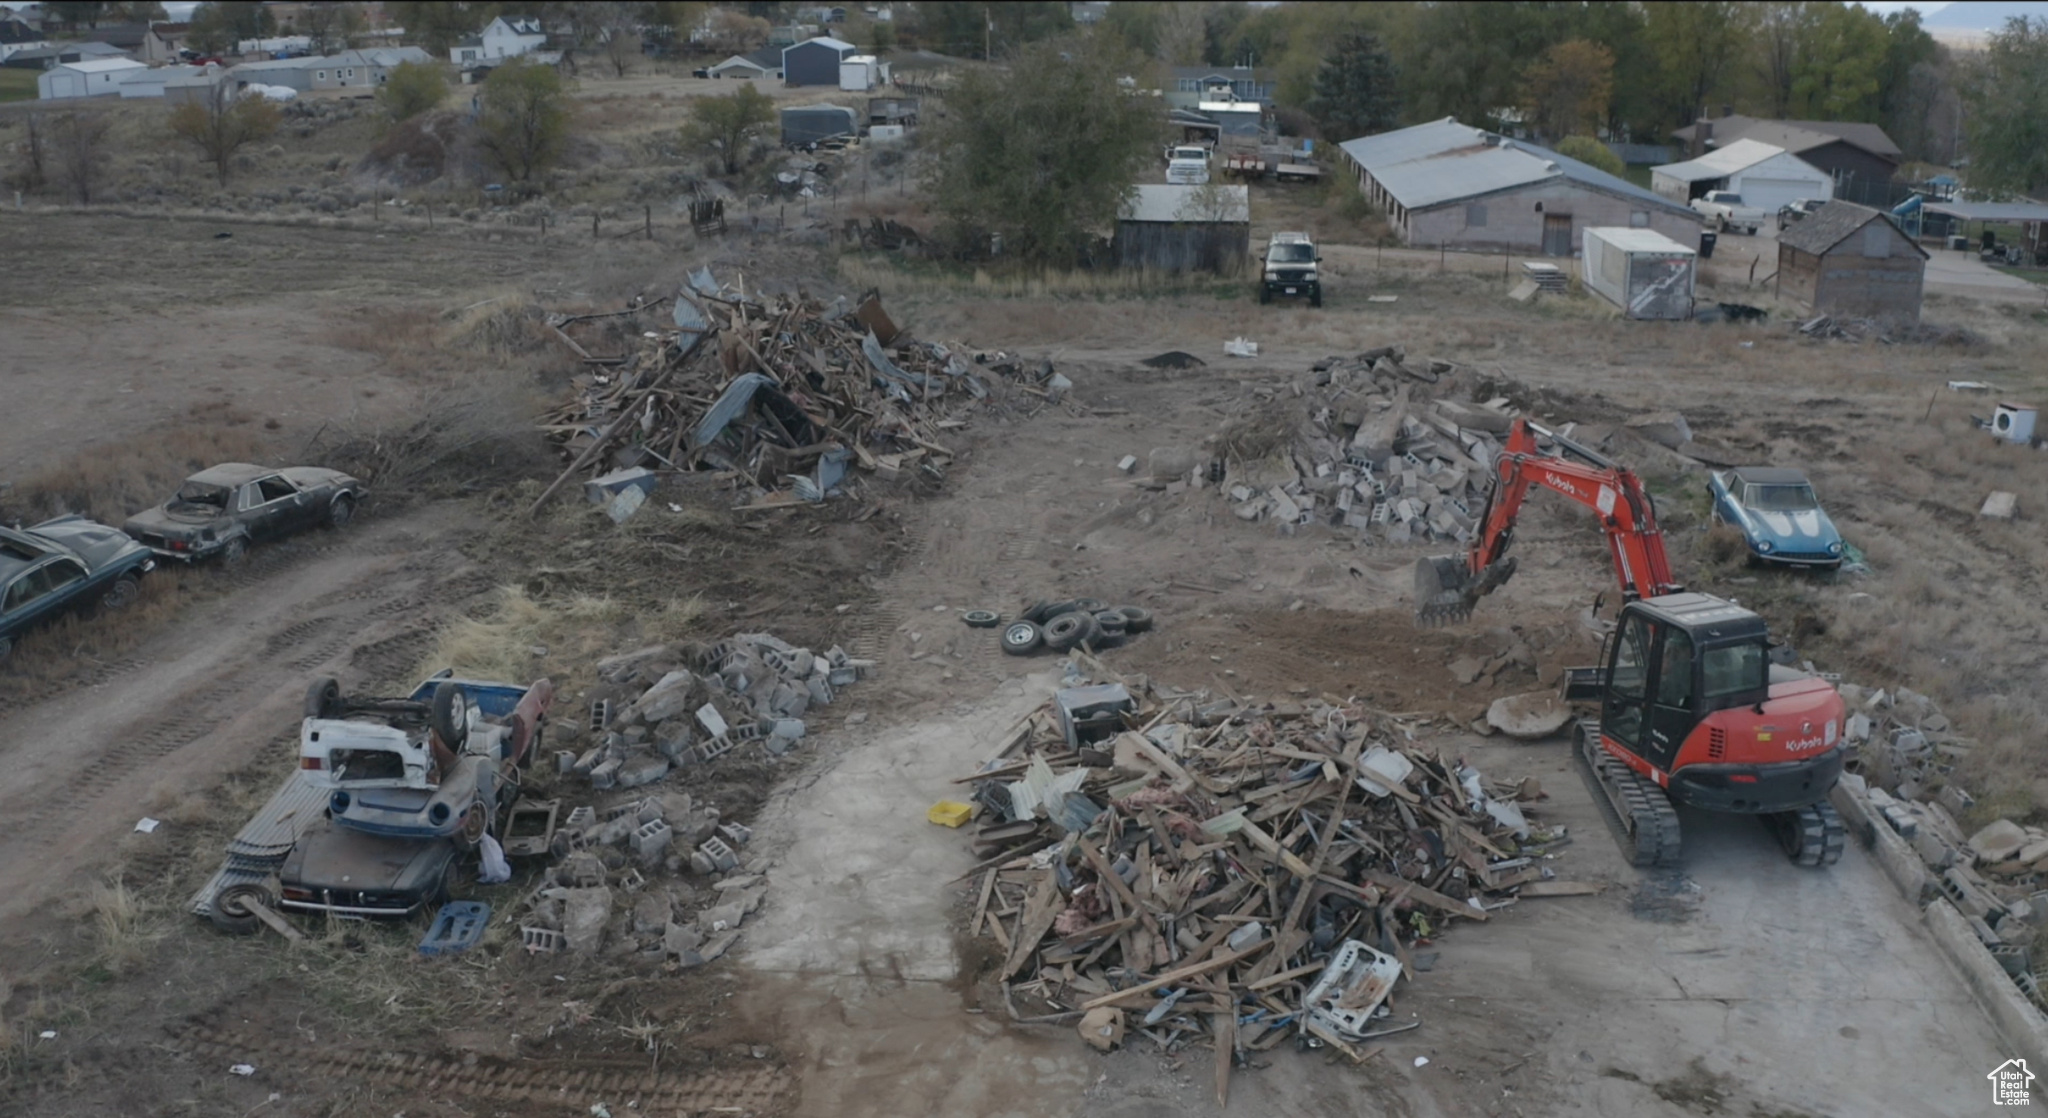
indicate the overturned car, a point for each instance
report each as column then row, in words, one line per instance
column 442, row 763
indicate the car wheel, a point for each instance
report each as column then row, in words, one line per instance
column 122, row 593
column 234, row 551
column 341, row 511
column 476, row 823
column 1067, row 630
column 1315, row 299
column 981, row 618
column 1265, row 294
column 450, row 717
column 323, row 698
column 231, row 911
column 1022, row 638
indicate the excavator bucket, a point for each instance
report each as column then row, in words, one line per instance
column 1446, row 590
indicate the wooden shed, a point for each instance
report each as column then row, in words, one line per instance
column 1185, row 229
column 1847, row 259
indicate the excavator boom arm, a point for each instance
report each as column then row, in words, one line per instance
column 1447, row 588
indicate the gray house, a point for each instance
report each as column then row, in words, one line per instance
column 815, row 61
column 349, row 70
column 810, row 124
column 1188, row 86
column 1185, row 229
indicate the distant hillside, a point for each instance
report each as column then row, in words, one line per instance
column 1983, row 15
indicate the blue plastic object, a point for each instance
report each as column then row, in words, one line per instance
column 458, row 927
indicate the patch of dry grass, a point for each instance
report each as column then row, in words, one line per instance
column 122, row 926
column 522, row 636
column 110, row 482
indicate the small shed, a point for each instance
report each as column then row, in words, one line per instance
column 1642, row 271
column 810, row 124
column 1851, row 260
column 1767, row 177
column 1185, row 229
column 893, row 110
column 862, row 72
column 815, row 61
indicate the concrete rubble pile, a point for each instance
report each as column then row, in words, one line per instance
column 1377, row 445
column 1997, row 877
column 1156, row 863
column 668, row 706
column 781, row 392
column 619, row 886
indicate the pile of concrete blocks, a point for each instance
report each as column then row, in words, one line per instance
column 620, row 887
column 669, row 706
column 1380, row 448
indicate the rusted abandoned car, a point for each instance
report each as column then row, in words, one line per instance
column 61, row 566
column 221, row 510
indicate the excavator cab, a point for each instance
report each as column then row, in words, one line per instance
column 1670, row 663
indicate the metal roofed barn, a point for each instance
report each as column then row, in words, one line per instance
column 1450, row 184
column 1185, row 228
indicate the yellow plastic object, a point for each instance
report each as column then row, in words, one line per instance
column 950, row 813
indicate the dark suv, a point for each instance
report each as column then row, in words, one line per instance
column 1291, row 271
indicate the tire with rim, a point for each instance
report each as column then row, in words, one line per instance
column 234, row 551
column 1136, row 618
column 341, row 511
column 475, row 824
column 981, row 619
column 231, row 912
column 1067, row 630
column 450, row 717
column 323, row 698
column 1315, row 298
column 122, row 593
column 1022, row 638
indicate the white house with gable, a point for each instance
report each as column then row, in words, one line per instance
column 501, row 38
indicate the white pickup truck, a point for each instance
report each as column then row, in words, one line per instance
column 1724, row 210
column 1187, row 165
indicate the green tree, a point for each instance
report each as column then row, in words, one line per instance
column 1591, row 152
column 331, row 27
column 413, row 88
column 1695, row 45
column 220, row 24
column 1466, row 60
column 726, row 124
column 1568, row 88
column 1045, row 162
column 1782, row 27
column 525, row 119
column 435, row 26
column 76, row 13
column 1839, row 65
column 223, row 124
column 881, row 36
column 1355, row 88
column 2008, row 119
column 973, row 30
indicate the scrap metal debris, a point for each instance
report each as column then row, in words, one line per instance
column 1229, row 873
column 781, row 392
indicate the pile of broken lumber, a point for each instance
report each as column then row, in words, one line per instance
column 1185, row 870
column 780, row 392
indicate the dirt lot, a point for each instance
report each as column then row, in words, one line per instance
column 1768, row 991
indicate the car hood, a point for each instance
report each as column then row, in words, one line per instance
column 1788, row 529
column 329, row 857
column 95, row 543
column 166, row 520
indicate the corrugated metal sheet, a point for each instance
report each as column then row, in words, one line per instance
column 1637, row 240
column 1206, row 204
column 259, row 848
column 1991, row 211
column 1443, row 162
column 1738, row 156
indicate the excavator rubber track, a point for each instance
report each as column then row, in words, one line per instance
column 1641, row 815
column 1811, row 836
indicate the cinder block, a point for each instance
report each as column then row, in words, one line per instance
column 651, row 840
column 605, row 775
column 541, row 941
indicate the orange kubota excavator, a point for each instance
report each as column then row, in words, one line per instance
column 1692, row 708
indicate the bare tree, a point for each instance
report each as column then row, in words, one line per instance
column 80, row 148
column 621, row 47
column 222, row 124
column 35, row 150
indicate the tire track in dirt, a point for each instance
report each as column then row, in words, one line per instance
column 579, row 1083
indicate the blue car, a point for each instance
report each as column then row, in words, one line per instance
column 69, row 564
column 1779, row 516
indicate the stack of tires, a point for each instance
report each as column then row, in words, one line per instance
column 1059, row 626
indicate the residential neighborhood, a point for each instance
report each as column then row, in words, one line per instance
column 1030, row 559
